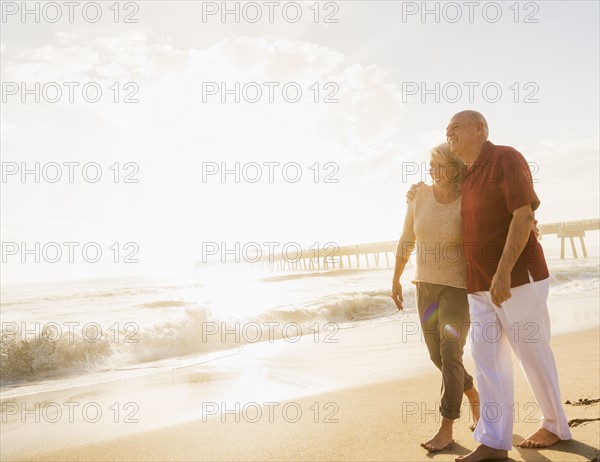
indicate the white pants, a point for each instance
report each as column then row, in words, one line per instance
column 523, row 325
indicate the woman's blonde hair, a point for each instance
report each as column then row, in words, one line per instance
column 454, row 163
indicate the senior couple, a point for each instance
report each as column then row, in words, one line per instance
column 478, row 263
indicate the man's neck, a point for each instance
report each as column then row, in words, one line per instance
column 471, row 155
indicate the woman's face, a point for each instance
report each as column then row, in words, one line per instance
column 442, row 172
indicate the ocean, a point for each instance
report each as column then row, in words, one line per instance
column 66, row 334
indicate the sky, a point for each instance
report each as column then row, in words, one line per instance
column 377, row 81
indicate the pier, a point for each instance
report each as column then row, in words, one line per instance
column 570, row 230
column 336, row 257
column 382, row 254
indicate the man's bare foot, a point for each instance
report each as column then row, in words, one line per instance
column 542, row 438
column 473, row 398
column 442, row 439
column 482, row 453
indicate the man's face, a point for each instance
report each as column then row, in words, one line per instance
column 462, row 133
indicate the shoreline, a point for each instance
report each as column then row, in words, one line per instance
column 377, row 379
column 378, row 421
column 576, row 317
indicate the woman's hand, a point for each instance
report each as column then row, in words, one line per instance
column 397, row 295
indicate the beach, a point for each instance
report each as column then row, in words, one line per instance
column 372, row 395
column 206, row 222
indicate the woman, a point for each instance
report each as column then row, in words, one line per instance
column 434, row 222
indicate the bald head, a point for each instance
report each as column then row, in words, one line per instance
column 475, row 118
column 466, row 134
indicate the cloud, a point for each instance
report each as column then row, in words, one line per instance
column 171, row 131
column 365, row 117
column 70, row 59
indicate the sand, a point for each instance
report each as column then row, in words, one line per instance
column 377, row 401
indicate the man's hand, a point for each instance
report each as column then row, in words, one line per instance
column 536, row 231
column 500, row 288
column 397, row 295
column 412, row 192
column 518, row 234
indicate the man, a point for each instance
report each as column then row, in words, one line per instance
column 507, row 285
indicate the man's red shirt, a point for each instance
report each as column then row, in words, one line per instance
column 495, row 186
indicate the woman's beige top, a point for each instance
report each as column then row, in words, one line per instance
column 437, row 230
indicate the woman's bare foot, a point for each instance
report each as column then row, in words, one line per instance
column 473, row 398
column 442, row 439
column 542, row 438
column 482, row 453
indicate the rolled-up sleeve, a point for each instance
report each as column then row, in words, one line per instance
column 516, row 182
